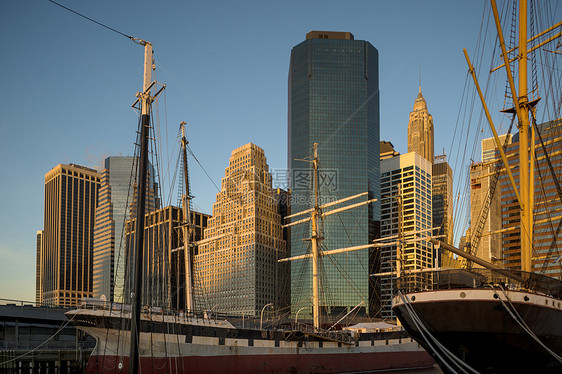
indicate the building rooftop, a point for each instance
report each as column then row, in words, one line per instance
column 340, row 35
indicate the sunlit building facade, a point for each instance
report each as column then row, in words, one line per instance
column 334, row 101
column 66, row 264
column 485, row 202
column 236, row 266
column 546, row 257
column 406, row 196
column 420, row 129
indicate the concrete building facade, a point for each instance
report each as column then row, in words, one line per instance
column 236, row 264
column 547, row 204
column 66, row 270
column 163, row 279
column 406, row 212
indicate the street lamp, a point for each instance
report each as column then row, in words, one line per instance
column 297, row 315
column 261, row 318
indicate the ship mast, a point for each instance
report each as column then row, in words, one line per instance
column 145, row 101
column 314, row 239
column 186, row 205
column 521, row 103
column 316, row 213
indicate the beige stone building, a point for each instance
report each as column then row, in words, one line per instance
column 420, row 129
column 486, row 239
column 236, row 268
column 66, row 263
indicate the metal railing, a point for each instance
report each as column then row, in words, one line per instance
column 333, row 335
column 458, row 278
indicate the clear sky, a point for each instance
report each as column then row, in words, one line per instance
column 67, row 87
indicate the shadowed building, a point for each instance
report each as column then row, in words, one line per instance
column 115, row 198
column 163, row 279
column 442, row 206
column 68, row 238
column 39, row 249
column 334, row 101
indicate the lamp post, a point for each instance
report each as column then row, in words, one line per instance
column 261, row 317
column 297, row 315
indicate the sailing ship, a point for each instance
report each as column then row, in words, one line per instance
column 133, row 338
column 493, row 320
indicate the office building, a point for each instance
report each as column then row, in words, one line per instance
column 490, row 150
column 442, row 205
column 406, row 196
column 420, row 129
column 66, row 274
column 39, row 252
column 163, row 279
column 485, row 202
column 236, row 265
column 547, row 204
column 115, row 199
column 334, row 101
column 387, row 150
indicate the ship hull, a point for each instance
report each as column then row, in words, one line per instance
column 204, row 346
column 476, row 326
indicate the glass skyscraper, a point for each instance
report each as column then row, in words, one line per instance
column 115, row 199
column 334, row 101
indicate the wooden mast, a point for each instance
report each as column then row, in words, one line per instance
column 525, row 168
column 521, row 106
column 145, row 101
column 314, row 241
column 186, row 205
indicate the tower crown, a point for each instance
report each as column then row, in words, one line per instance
column 420, row 102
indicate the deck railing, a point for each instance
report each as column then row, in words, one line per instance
column 457, row 278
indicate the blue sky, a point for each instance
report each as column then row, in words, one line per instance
column 67, row 87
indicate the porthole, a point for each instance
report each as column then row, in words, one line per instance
column 413, row 298
column 463, row 295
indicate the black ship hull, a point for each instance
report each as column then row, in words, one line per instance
column 486, row 328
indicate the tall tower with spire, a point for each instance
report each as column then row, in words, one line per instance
column 420, row 129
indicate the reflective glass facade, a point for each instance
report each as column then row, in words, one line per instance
column 115, row 197
column 334, row 101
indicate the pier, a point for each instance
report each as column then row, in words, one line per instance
column 39, row 339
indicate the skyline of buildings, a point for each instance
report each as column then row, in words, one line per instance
column 329, row 74
column 334, row 101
